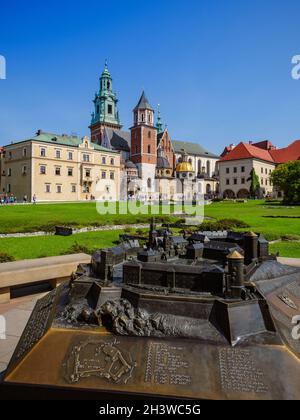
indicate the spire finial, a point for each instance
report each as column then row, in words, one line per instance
column 159, row 124
column 105, row 63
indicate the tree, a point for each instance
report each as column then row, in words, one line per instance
column 255, row 185
column 286, row 178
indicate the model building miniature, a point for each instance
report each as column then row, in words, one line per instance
column 207, row 315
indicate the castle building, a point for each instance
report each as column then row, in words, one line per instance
column 147, row 150
column 59, row 168
column 237, row 162
column 144, row 159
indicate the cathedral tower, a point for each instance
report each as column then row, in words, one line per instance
column 106, row 111
column 144, row 140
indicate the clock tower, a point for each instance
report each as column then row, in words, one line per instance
column 144, row 140
column 105, row 108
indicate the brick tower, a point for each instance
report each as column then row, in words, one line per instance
column 144, row 140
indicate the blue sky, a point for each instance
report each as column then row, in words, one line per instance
column 221, row 69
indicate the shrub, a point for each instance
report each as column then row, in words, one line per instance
column 4, row 257
column 223, row 224
column 290, row 238
column 77, row 248
column 128, row 229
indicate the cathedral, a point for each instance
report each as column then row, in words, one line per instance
column 153, row 165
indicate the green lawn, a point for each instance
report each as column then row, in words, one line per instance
column 46, row 246
column 254, row 213
column 286, row 249
column 44, row 217
column 30, row 218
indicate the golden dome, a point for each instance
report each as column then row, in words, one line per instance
column 184, row 167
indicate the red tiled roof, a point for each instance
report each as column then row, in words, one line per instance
column 291, row 152
column 246, row 151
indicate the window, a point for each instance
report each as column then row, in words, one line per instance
column 234, row 170
column 47, row 188
column 70, row 171
column 9, row 155
column 98, row 109
column 103, row 160
column 243, row 168
column 70, row 155
column 86, row 158
column 149, row 119
column 262, row 170
column 43, row 152
column 112, row 175
column 24, row 170
column 57, row 170
column 57, row 154
column 266, row 182
column 86, row 189
column 87, row 173
column 243, row 181
column 58, row 189
column 235, row 181
column 149, row 134
column 108, row 85
column 149, row 183
column 227, row 170
column 262, row 181
column 149, row 149
column 142, row 117
column 8, row 188
column 266, row 171
column 103, row 175
column 227, row 181
column 9, row 172
column 112, row 161
column 43, row 170
column 24, row 152
column 109, row 109
column 73, row 188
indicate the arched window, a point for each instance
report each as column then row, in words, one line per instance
column 142, row 117
column 208, row 168
column 199, row 166
column 108, row 85
column 149, row 134
column 149, row 149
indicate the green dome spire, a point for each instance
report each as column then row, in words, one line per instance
column 106, row 102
